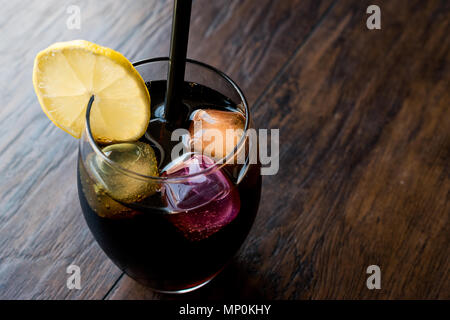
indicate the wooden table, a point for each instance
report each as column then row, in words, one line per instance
column 365, row 146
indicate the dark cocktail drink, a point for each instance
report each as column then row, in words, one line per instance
column 173, row 222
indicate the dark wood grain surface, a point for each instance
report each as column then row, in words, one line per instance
column 365, row 145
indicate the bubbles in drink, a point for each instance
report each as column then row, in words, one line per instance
column 137, row 157
column 216, row 133
column 99, row 201
column 201, row 204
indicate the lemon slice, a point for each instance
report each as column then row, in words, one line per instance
column 67, row 74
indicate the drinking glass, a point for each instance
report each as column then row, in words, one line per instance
column 171, row 248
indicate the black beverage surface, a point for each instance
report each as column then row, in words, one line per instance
column 143, row 242
column 195, row 96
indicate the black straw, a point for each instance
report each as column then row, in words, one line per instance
column 88, row 114
column 177, row 64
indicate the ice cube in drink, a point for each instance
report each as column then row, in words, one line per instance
column 136, row 157
column 203, row 204
column 215, row 133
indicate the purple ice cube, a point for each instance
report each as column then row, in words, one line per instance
column 202, row 204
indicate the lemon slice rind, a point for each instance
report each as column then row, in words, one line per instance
column 67, row 74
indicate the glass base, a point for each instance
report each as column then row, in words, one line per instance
column 198, row 286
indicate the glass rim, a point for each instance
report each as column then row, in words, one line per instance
column 217, row 164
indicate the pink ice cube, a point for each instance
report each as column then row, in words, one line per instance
column 202, row 204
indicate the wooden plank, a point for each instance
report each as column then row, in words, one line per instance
column 251, row 40
column 364, row 159
column 364, row 122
